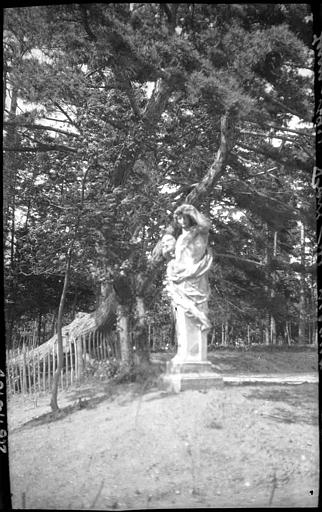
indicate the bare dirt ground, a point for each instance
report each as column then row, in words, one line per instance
column 135, row 446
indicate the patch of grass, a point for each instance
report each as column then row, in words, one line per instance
column 286, row 416
column 303, row 394
column 303, row 399
column 265, row 348
column 263, row 361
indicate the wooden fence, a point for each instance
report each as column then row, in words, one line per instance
column 32, row 371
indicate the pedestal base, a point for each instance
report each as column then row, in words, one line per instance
column 190, row 375
column 177, row 366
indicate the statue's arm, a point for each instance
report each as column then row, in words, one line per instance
column 201, row 232
column 203, row 224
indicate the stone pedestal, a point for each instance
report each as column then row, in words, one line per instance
column 189, row 369
column 192, row 341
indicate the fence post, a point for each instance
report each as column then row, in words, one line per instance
column 8, row 371
column 79, row 358
column 28, row 368
column 110, row 345
column 71, row 361
column 19, row 379
column 100, row 337
column 149, row 337
column 38, row 373
column 33, row 372
column 48, row 372
column 95, row 345
column 13, row 371
column 14, row 375
column 24, row 375
column 67, row 365
column 84, row 349
column 61, row 373
column 75, row 359
column 44, row 372
column 105, row 347
column 54, row 359
column 100, row 346
column 90, row 344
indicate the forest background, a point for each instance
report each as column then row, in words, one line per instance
column 115, row 114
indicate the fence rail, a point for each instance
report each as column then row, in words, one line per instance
column 31, row 372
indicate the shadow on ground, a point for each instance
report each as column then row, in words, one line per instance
column 302, row 398
column 94, row 392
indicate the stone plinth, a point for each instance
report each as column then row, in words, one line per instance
column 183, row 376
column 174, row 366
column 189, row 369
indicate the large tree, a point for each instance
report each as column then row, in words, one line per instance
column 160, row 104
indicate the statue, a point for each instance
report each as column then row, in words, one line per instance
column 189, row 260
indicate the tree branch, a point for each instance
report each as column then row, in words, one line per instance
column 39, row 127
column 285, row 129
column 158, row 100
column 132, row 149
column 285, row 108
column 87, row 28
column 65, row 114
column 274, row 264
column 60, row 121
column 216, row 169
column 39, row 149
column 131, row 97
column 269, row 152
column 267, row 135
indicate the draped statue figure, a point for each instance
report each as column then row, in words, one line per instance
column 187, row 285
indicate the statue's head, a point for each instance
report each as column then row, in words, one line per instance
column 187, row 216
column 184, row 216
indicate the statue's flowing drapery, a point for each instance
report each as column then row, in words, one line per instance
column 187, row 274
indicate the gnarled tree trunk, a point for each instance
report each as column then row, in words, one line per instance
column 142, row 347
column 123, row 329
column 53, row 401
